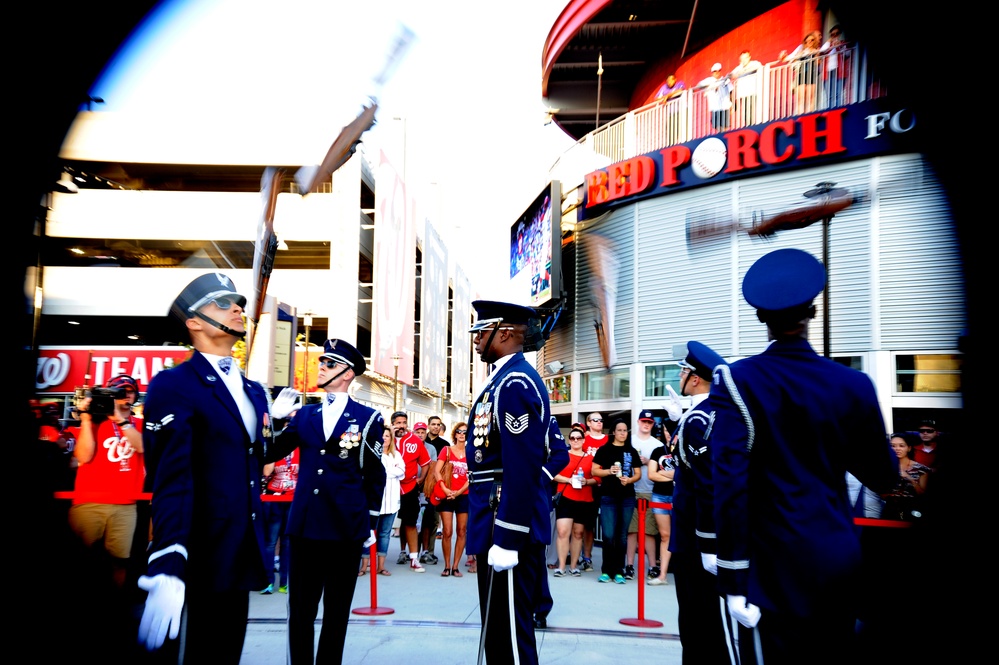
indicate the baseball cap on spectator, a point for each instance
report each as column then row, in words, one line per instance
column 715, row 67
column 124, row 381
column 646, row 415
column 419, row 426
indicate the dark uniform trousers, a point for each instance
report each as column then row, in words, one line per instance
column 318, row 565
column 700, row 615
column 504, row 612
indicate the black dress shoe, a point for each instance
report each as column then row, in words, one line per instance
column 540, row 623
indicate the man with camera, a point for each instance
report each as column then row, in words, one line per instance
column 111, row 470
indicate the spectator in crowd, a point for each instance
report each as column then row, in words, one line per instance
column 645, row 444
column 453, row 509
column 619, row 466
column 58, row 444
column 110, row 476
column 671, row 89
column 746, row 76
column 510, row 494
column 575, row 484
column 804, row 61
column 837, row 60
column 718, row 94
column 207, row 429
column 925, row 452
column 395, row 469
column 903, row 501
column 661, row 466
column 429, row 519
column 413, row 450
column 791, row 423
column 280, row 479
column 595, row 438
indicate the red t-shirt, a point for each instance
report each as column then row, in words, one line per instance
column 285, row 475
column 592, row 443
column 584, row 463
column 459, row 474
column 116, row 473
column 415, row 454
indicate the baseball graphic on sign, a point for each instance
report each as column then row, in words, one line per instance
column 709, row 158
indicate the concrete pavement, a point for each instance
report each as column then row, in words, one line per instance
column 583, row 628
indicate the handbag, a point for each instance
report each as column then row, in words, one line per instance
column 429, row 484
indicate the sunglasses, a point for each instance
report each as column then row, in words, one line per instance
column 596, row 420
column 927, row 431
column 222, row 303
column 575, row 438
column 460, row 431
column 329, row 364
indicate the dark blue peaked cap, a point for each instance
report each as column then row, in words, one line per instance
column 489, row 312
column 783, row 279
column 200, row 291
column 343, row 352
column 701, row 360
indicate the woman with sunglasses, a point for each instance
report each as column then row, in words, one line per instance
column 455, row 501
column 395, row 470
column 576, row 483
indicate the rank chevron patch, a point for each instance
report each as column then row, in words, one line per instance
column 515, row 425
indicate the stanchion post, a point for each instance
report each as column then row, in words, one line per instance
column 643, row 507
column 374, row 610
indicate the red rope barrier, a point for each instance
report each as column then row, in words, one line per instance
column 374, row 609
column 643, row 505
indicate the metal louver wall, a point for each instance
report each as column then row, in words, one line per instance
column 895, row 281
column 921, row 283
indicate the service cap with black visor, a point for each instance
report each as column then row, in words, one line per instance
column 209, row 288
column 338, row 352
column 700, row 361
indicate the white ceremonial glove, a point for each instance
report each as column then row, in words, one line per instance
column 673, row 406
column 370, row 541
column 162, row 611
column 501, row 559
column 710, row 562
column 745, row 613
column 288, row 400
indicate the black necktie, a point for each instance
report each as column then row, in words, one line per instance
column 330, row 397
column 225, row 364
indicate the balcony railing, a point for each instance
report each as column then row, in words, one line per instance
column 777, row 90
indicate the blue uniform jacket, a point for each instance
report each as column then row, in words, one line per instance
column 340, row 481
column 509, row 431
column 693, row 528
column 204, row 472
column 789, row 424
column 558, row 454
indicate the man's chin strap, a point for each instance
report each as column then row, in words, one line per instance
column 323, row 385
column 226, row 329
column 492, row 336
column 683, row 386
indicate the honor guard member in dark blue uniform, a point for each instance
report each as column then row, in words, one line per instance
column 509, row 498
column 336, row 504
column 789, row 425
column 206, row 431
column 701, row 615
